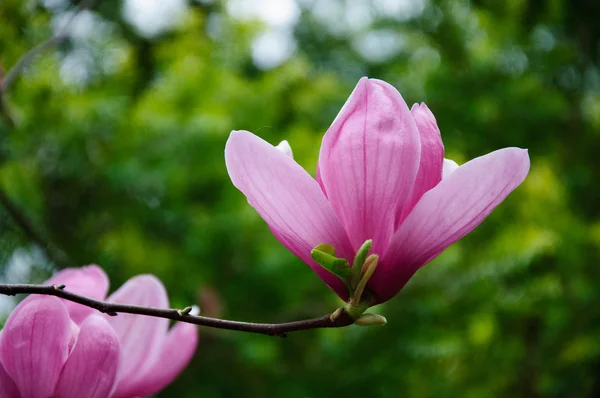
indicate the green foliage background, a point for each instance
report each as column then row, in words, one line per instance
column 124, row 167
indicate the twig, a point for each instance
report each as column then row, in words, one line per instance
column 26, row 59
column 340, row 319
column 55, row 255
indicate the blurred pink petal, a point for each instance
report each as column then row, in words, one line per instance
column 178, row 349
column 91, row 369
column 287, row 198
column 140, row 337
column 8, row 389
column 368, row 162
column 448, row 212
column 432, row 157
column 34, row 345
column 90, row 281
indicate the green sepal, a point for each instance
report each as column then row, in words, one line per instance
column 325, row 248
column 367, row 272
column 359, row 260
column 324, row 255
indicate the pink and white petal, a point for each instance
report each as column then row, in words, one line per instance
column 91, row 369
column 432, row 157
column 74, row 335
column 449, row 166
column 445, row 214
column 368, row 162
column 285, row 147
column 177, row 351
column 141, row 337
column 8, row 389
column 90, row 281
column 35, row 345
column 287, row 198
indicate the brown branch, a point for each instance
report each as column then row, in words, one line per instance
column 26, row 59
column 340, row 319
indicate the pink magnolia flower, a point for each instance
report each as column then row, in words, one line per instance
column 55, row 348
column 381, row 175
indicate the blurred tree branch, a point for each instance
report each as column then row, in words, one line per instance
column 339, row 318
column 4, row 109
column 54, row 254
column 28, row 57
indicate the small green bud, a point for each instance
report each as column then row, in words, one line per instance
column 370, row 320
column 367, row 271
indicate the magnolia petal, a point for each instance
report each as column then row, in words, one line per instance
column 177, row 351
column 432, row 156
column 8, row 389
column 449, row 166
column 285, row 147
column 91, row 369
column 35, row 344
column 74, row 335
column 448, row 212
column 368, row 162
column 90, row 281
column 141, row 337
column 287, row 198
